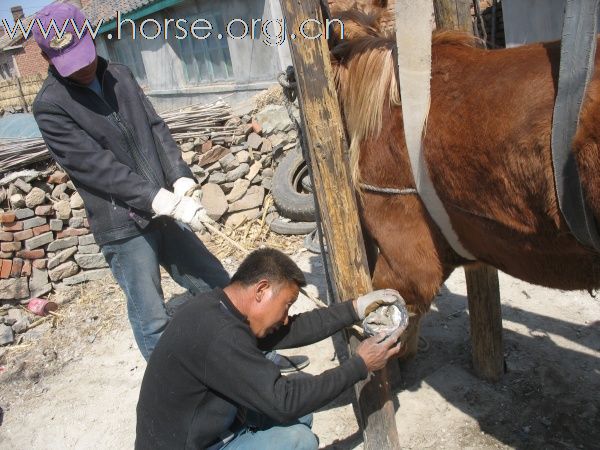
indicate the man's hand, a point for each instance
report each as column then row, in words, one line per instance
column 184, row 209
column 368, row 303
column 376, row 350
column 183, row 185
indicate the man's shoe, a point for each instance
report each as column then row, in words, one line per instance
column 289, row 364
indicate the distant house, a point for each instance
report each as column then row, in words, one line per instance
column 175, row 72
column 19, row 57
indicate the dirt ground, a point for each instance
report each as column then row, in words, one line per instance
column 76, row 386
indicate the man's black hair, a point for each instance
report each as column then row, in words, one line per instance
column 270, row 264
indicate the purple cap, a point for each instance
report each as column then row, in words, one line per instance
column 67, row 52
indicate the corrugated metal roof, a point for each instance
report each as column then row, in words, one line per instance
column 18, row 126
column 107, row 9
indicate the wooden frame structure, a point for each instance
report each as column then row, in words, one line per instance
column 335, row 197
column 325, row 135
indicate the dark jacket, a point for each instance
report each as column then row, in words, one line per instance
column 208, row 364
column 117, row 150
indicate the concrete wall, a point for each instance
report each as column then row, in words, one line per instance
column 254, row 64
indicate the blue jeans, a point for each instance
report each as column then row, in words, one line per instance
column 267, row 434
column 135, row 263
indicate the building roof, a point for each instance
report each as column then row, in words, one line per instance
column 7, row 41
column 106, row 10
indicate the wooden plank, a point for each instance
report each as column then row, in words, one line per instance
column 486, row 321
column 453, row 14
column 482, row 281
column 21, row 96
column 327, row 144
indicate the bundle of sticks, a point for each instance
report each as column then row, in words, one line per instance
column 190, row 122
column 200, row 120
column 15, row 153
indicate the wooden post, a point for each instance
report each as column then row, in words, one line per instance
column 324, row 132
column 483, row 288
column 486, row 321
column 453, row 14
column 21, row 95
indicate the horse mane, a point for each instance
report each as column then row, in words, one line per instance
column 365, row 72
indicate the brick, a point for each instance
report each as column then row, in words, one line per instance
column 65, row 270
column 88, row 275
column 87, row 240
column 79, row 213
column 76, row 222
column 39, row 241
column 26, row 270
column 31, row 254
column 58, row 178
column 88, row 249
column 61, row 257
column 44, row 210
column 7, row 217
column 24, row 213
column 12, row 226
column 5, row 236
column 23, row 235
column 17, row 266
column 61, row 244
column 5, row 268
column 23, row 185
column 72, row 232
column 34, row 222
column 39, row 263
column 15, row 288
column 93, row 261
column 41, row 230
column 5, row 255
column 56, row 224
column 86, row 223
column 10, row 246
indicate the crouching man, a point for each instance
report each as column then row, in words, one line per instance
column 208, row 385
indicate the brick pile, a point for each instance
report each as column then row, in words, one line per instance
column 45, row 239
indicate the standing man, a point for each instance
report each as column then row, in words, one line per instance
column 103, row 130
column 207, row 384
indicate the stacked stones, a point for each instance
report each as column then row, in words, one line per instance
column 45, row 238
column 235, row 177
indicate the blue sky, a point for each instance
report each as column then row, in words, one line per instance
column 29, row 6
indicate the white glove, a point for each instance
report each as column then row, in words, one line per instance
column 368, row 303
column 164, row 203
column 200, row 219
column 183, row 185
column 183, row 209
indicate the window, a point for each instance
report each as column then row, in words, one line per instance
column 5, row 72
column 206, row 60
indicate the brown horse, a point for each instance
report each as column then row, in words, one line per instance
column 487, row 146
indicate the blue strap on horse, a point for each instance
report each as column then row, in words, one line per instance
column 577, row 55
